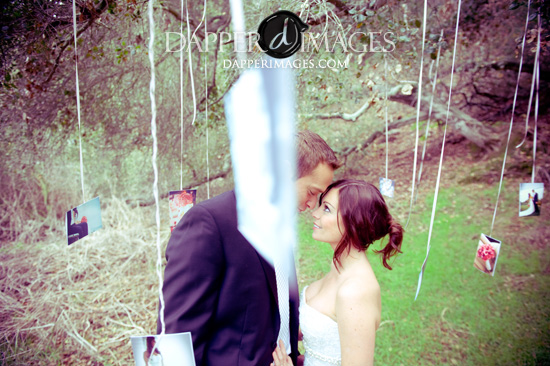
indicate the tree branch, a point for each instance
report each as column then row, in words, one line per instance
column 345, row 152
column 198, row 182
column 342, row 115
column 91, row 19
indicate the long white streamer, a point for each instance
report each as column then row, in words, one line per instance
column 190, row 61
column 206, row 105
column 511, row 122
column 78, row 102
column 424, row 21
column 532, row 92
column 532, row 80
column 430, row 109
column 537, row 72
column 154, row 157
column 386, row 108
column 237, row 20
column 434, row 206
column 181, row 96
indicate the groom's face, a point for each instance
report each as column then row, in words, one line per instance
column 310, row 186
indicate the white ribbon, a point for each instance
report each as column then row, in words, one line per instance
column 425, row 18
column 434, row 206
column 154, row 157
column 511, row 122
column 78, row 102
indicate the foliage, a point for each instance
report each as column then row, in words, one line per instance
column 39, row 120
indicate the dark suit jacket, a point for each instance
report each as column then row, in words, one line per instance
column 221, row 290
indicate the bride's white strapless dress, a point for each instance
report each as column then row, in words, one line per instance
column 529, row 211
column 321, row 337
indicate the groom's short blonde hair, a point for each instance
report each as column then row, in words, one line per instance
column 312, row 150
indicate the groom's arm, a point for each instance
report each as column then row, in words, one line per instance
column 192, row 278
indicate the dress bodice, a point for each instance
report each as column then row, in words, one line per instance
column 156, row 360
column 321, row 337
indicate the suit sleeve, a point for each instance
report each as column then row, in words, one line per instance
column 294, row 298
column 192, row 278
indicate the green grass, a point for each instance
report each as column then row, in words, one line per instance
column 461, row 316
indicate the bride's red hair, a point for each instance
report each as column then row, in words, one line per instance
column 365, row 218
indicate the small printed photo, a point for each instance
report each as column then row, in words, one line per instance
column 487, row 254
column 530, row 197
column 166, row 350
column 83, row 220
column 387, row 186
column 179, row 202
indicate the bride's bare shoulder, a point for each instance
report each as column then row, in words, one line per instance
column 359, row 288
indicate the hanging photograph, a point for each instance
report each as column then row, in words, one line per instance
column 179, row 202
column 167, row 350
column 487, row 254
column 530, row 197
column 83, row 220
column 387, row 186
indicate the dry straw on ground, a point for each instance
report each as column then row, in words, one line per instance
column 79, row 304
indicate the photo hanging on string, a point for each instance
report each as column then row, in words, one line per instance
column 83, row 220
column 387, row 186
column 179, row 202
column 530, row 197
column 166, row 350
column 487, row 253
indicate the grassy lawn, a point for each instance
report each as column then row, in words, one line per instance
column 462, row 316
column 79, row 305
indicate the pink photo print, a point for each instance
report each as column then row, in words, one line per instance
column 487, row 254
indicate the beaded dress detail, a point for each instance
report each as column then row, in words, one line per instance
column 321, row 337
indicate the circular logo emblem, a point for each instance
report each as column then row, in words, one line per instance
column 281, row 34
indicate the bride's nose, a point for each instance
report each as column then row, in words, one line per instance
column 314, row 213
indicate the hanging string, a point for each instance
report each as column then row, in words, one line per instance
column 537, row 72
column 181, row 98
column 528, row 109
column 206, row 105
column 434, row 206
column 430, row 109
column 418, row 108
column 190, row 61
column 532, row 80
column 237, row 21
column 78, row 102
column 386, row 108
column 511, row 122
column 154, row 157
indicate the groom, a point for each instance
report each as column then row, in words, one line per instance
column 220, row 289
column 536, row 203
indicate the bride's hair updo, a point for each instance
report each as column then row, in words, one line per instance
column 365, row 218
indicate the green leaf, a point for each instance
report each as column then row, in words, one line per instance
column 513, row 5
column 417, row 23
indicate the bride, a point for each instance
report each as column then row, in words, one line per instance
column 339, row 313
column 529, row 211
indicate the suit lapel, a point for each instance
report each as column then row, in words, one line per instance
column 269, row 275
